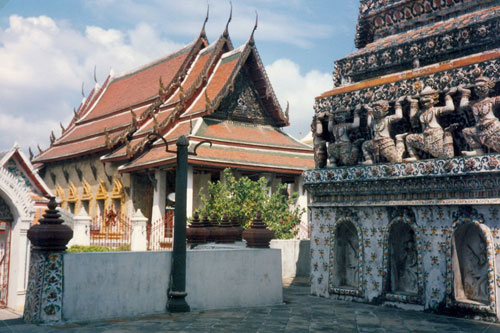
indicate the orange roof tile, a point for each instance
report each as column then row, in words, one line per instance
column 139, row 86
column 248, row 133
column 235, row 156
column 73, row 149
column 194, row 73
column 218, row 80
column 160, row 116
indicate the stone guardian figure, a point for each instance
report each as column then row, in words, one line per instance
column 342, row 151
column 486, row 132
column 319, row 143
column 434, row 140
column 382, row 145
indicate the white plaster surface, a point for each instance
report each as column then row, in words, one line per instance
column 121, row 284
column 295, row 259
column 219, row 279
column 114, row 284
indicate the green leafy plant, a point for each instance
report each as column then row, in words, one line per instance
column 96, row 248
column 244, row 197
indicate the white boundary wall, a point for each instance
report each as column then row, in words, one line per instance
column 295, row 257
column 120, row 284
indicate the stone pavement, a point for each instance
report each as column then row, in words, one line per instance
column 299, row 313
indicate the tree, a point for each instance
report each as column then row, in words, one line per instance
column 242, row 198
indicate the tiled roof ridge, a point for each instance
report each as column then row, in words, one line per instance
column 245, row 50
column 185, row 99
column 134, row 71
column 157, row 101
column 254, row 145
column 95, row 95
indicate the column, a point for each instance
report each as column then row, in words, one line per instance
column 81, row 229
column 159, row 196
column 44, row 293
column 139, row 240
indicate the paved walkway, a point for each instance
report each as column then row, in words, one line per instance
column 300, row 313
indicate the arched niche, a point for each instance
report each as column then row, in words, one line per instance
column 471, row 263
column 346, row 256
column 403, row 264
column 403, row 279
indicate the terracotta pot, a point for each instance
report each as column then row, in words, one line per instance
column 211, row 226
column 236, row 223
column 258, row 235
column 225, row 233
column 197, row 233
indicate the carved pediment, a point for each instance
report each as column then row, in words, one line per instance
column 242, row 103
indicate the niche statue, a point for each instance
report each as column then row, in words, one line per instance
column 486, row 132
column 434, row 140
column 342, row 151
column 381, row 144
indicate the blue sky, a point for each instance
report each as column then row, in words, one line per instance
column 48, row 48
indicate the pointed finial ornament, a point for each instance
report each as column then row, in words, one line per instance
column 31, row 153
column 62, row 127
column 190, row 125
column 226, row 31
column 254, row 28
column 39, row 149
column 52, row 137
column 203, row 32
column 83, row 94
column 95, row 74
column 287, row 111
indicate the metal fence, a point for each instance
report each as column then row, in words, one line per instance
column 111, row 229
column 160, row 232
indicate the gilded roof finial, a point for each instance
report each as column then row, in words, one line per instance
column 251, row 41
column 39, row 149
column 31, row 153
column 62, row 127
column 287, row 111
column 226, row 31
column 95, row 74
column 203, row 33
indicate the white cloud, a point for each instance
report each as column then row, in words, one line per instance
column 278, row 20
column 44, row 62
column 299, row 90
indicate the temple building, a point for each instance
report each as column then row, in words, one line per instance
column 118, row 154
column 405, row 206
column 22, row 202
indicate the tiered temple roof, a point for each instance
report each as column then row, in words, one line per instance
column 203, row 91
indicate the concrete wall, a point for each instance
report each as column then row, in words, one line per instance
column 219, row 279
column 121, row 284
column 295, row 258
column 114, row 284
